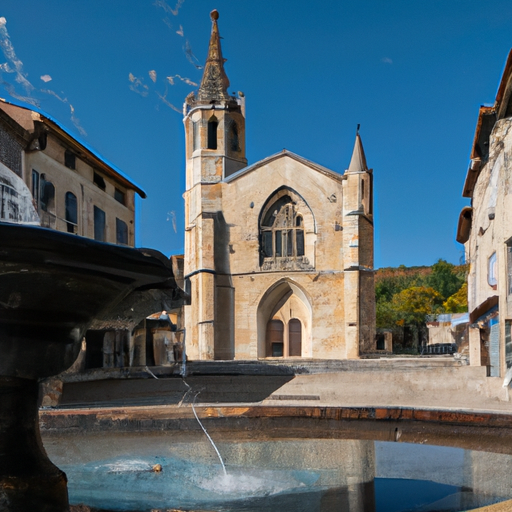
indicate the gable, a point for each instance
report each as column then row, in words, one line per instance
column 284, row 156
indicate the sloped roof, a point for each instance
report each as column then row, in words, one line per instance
column 26, row 115
column 358, row 160
column 283, row 154
column 487, row 117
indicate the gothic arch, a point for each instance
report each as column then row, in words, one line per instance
column 287, row 232
column 286, row 302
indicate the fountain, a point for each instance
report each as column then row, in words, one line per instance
column 52, row 287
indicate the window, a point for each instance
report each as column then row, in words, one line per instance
column 119, row 196
column 98, row 180
column 71, row 213
column 212, row 132
column 234, row 141
column 282, row 231
column 69, row 159
column 47, row 195
column 121, row 232
column 492, row 276
column 35, row 186
column 99, row 224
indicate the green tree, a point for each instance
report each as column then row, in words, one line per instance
column 445, row 278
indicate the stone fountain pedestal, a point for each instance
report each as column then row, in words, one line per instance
column 28, row 479
column 52, row 287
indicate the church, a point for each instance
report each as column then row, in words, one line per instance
column 279, row 253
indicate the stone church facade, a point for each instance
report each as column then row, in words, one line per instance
column 278, row 254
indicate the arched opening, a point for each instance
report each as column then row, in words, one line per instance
column 234, row 142
column 284, row 322
column 295, row 337
column 213, row 123
column 71, row 213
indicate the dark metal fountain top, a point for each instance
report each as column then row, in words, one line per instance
column 54, row 285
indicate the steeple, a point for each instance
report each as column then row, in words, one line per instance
column 358, row 198
column 358, row 161
column 215, row 83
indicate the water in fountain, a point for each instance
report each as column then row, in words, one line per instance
column 324, row 475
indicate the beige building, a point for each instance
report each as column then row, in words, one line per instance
column 72, row 188
column 279, row 254
column 486, row 230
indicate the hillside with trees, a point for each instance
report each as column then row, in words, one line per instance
column 406, row 296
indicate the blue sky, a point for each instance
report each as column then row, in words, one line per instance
column 412, row 73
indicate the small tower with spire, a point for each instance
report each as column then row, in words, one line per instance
column 358, row 251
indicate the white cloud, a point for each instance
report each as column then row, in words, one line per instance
column 55, row 95
column 152, row 75
column 190, row 55
column 76, row 121
column 167, row 8
column 180, row 31
column 137, row 85
column 183, row 79
column 46, row 78
column 12, row 59
column 387, row 60
column 166, row 102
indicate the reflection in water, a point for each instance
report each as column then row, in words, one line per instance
column 114, row 472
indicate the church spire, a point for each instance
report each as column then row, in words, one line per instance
column 358, row 161
column 215, row 83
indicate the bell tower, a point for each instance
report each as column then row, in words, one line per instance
column 214, row 122
column 215, row 148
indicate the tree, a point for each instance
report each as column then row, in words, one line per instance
column 445, row 278
column 415, row 303
column 458, row 302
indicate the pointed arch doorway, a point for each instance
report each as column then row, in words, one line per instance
column 284, row 322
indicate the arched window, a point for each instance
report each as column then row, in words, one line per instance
column 213, row 123
column 282, row 230
column 71, row 213
column 234, row 142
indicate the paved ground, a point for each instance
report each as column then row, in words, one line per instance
column 432, row 383
column 505, row 506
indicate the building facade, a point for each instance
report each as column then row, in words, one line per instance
column 72, row 189
column 278, row 254
column 485, row 228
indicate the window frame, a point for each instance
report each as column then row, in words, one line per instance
column 70, row 223
column 286, row 225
